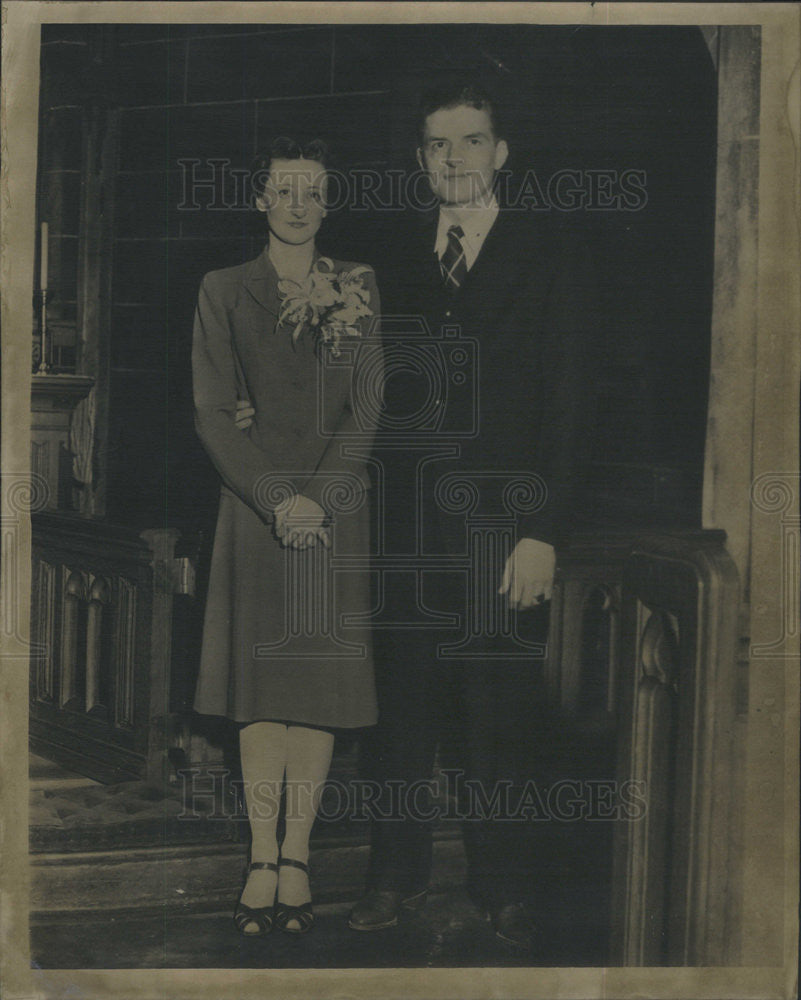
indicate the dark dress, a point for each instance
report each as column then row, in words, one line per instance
column 284, row 634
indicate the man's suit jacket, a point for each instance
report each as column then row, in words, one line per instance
column 527, row 303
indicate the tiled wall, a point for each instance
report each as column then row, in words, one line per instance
column 64, row 54
column 204, row 93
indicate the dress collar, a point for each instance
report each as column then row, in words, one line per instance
column 261, row 280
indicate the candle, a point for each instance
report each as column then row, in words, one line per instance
column 43, row 267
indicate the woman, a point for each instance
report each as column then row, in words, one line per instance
column 279, row 331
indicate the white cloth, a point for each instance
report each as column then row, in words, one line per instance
column 475, row 222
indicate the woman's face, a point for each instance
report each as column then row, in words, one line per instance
column 294, row 200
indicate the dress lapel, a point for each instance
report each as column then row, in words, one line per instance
column 261, row 282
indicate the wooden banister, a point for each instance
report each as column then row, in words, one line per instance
column 672, row 614
column 100, row 668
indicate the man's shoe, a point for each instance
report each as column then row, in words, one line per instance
column 514, row 926
column 380, row 908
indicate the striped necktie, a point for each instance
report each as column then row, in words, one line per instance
column 453, row 264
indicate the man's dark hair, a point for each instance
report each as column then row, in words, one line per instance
column 453, row 93
column 284, row 148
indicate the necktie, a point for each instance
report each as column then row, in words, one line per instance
column 453, row 263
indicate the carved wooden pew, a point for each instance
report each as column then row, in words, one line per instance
column 101, row 619
column 670, row 604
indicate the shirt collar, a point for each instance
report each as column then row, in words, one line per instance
column 475, row 222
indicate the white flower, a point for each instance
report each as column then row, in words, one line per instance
column 333, row 303
column 321, row 293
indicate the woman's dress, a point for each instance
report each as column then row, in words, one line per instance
column 285, row 633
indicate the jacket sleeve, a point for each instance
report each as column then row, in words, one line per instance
column 357, row 424
column 218, row 382
column 568, row 361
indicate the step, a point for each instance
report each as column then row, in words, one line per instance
column 193, row 877
column 46, row 774
column 133, row 814
column 203, row 805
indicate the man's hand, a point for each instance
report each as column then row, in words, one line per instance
column 299, row 523
column 528, row 575
column 244, row 414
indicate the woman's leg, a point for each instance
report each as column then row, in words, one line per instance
column 263, row 748
column 308, row 760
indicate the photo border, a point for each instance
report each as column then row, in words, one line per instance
column 779, row 267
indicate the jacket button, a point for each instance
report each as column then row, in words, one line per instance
column 448, row 312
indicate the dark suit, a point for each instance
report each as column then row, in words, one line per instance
column 512, row 413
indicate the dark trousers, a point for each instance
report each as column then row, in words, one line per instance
column 488, row 718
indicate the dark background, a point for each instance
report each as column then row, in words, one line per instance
column 581, row 98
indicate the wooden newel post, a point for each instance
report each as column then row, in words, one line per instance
column 162, row 542
column 675, row 864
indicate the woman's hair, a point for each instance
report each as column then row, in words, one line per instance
column 284, row 148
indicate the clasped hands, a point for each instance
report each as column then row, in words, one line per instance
column 299, row 520
column 300, row 523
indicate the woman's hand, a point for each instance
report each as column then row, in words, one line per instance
column 300, row 523
column 244, row 414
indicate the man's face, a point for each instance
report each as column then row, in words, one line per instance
column 294, row 200
column 461, row 154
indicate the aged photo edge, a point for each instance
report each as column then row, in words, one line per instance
column 781, row 44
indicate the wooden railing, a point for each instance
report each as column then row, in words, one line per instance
column 101, row 646
column 661, row 672
column 643, row 650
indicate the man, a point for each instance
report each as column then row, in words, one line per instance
column 496, row 278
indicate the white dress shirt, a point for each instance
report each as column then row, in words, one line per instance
column 476, row 223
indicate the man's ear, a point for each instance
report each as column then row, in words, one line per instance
column 501, row 153
column 261, row 203
column 421, row 162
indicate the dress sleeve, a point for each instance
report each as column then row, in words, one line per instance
column 357, row 425
column 217, row 383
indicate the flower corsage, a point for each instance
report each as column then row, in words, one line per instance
column 330, row 303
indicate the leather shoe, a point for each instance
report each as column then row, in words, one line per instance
column 514, row 926
column 380, row 908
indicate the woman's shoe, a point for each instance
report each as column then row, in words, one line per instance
column 284, row 913
column 262, row 916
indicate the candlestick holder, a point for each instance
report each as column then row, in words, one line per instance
column 43, row 367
